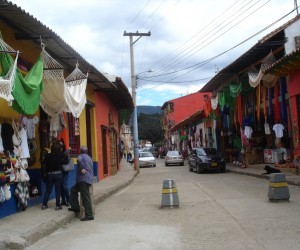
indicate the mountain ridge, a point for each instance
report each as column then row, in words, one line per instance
column 149, row 110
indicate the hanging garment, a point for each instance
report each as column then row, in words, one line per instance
column 248, row 132
column 24, row 144
column 29, row 124
column 278, row 128
column 267, row 129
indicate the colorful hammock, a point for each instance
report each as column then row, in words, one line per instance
column 24, row 92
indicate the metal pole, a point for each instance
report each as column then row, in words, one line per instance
column 133, row 85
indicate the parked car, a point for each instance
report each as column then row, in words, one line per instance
column 146, row 159
column 174, row 157
column 153, row 150
column 206, row 159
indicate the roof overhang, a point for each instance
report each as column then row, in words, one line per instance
column 29, row 28
column 199, row 115
column 285, row 65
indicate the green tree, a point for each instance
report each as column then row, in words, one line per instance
column 150, row 127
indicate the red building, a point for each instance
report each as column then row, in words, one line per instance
column 177, row 110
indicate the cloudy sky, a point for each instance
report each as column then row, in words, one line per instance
column 190, row 39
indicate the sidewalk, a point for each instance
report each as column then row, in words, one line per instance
column 24, row 228
column 258, row 170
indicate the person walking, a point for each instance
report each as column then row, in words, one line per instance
column 84, row 180
column 53, row 164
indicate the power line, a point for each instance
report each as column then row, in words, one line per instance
column 226, row 51
column 166, row 58
column 136, row 16
column 208, row 36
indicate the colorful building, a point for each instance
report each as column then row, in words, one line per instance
column 92, row 120
column 174, row 112
column 258, row 99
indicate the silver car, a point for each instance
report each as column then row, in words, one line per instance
column 146, row 159
column 174, row 157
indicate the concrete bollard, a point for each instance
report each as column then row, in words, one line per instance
column 82, row 212
column 278, row 188
column 169, row 194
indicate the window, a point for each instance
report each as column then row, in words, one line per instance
column 74, row 139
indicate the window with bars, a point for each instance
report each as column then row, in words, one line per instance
column 74, row 139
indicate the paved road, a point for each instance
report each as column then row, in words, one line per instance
column 217, row 211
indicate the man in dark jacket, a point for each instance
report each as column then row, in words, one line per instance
column 84, row 179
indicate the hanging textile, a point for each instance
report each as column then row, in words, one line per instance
column 270, row 104
column 75, row 96
column 239, row 109
column 26, row 90
column 276, row 105
column 60, row 94
column 7, row 79
column 265, row 102
column 214, row 102
column 255, row 76
column 52, row 97
column 235, row 89
column 282, row 95
column 258, row 102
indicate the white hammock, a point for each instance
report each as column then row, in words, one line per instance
column 257, row 76
column 7, row 81
column 52, row 97
column 75, row 86
column 59, row 94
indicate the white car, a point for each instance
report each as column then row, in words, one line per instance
column 146, row 159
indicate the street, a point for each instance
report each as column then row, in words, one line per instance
column 217, row 211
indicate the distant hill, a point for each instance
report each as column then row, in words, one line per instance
column 149, row 110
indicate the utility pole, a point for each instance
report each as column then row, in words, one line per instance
column 133, row 86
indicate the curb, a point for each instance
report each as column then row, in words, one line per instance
column 290, row 182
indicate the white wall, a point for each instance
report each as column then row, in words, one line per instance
column 290, row 32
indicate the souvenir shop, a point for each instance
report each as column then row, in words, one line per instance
column 37, row 105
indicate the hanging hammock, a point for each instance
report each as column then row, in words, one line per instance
column 24, row 92
column 60, row 94
column 75, row 86
column 7, row 79
column 27, row 90
column 52, row 97
column 256, row 76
